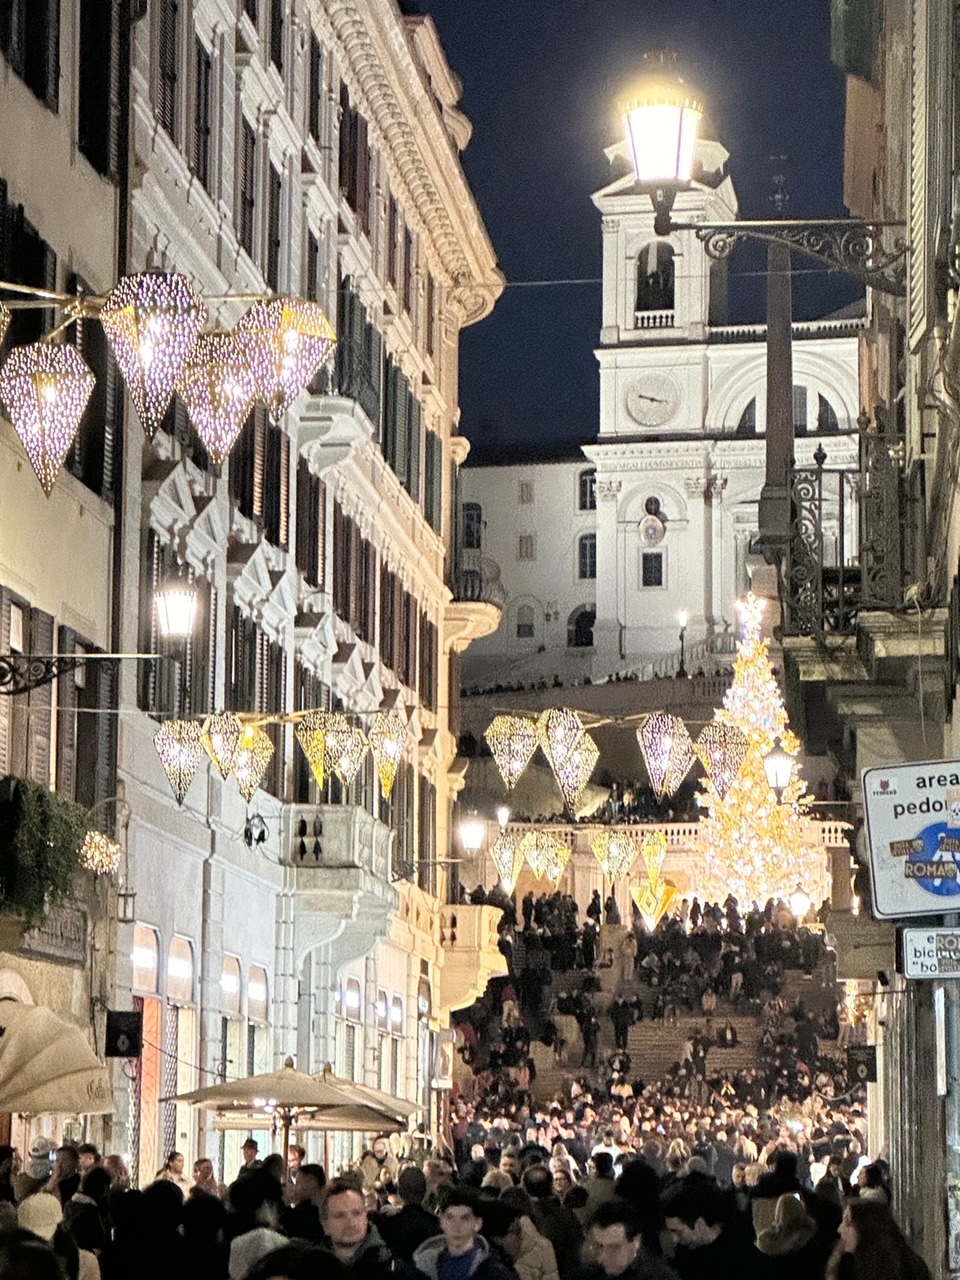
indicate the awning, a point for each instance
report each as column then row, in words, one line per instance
column 47, row 1065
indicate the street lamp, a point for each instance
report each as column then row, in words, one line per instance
column 176, row 601
column 683, row 618
column 503, row 816
column 778, row 766
column 799, row 903
column 473, row 831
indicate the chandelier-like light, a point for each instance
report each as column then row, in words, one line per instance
column 5, row 318
column 387, row 737
column 218, row 387
column 559, row 731
column 555, row 862
column 179, row 744
column 251, row 758
column 512, row 741
column 542, row 851
column 722, row 748
column 287, row 340
column 667, row 751
column 100, row 854
column 616, row 852
column 653, row 850
column 573, row 772
column 508, row 859
column 45, row 387
column 221, row 736
column 152, row 322
column 311, row 733
column 653, row 900
column 345, row 745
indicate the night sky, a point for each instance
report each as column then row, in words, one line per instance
column 540, row 80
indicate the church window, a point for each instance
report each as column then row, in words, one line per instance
column 747, row 426
column 527, row 546
column 526, row 492
column 651, row 569
column 580, row 627
column 655, row 276
column 826, row 416
column 587, row 556
column 652, row 506
column 588, row 490
column 525, row 622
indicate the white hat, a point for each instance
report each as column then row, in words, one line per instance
column 40, row 1213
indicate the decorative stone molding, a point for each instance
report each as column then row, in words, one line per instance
column 608, row 490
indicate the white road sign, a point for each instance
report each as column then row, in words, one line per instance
column 912, row 816
column 931, row 953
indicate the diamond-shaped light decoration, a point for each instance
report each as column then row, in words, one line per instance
column 722, row 748
column 311, row 734
column 512, row 741
column 667, row 751
column 616, row 852
column 45, row 387
column 387, row 737
column 573, row 772
column 179, row 745
column 287, row 340
column 5, row 318
column 221, row 736
column 218, row 387
column 152, row 322
column 251, row 758
column 653, row 850
column 100, row 854
column 555, row 862
column 559, row 730
column 653, row 901
column 508, row 859
column 540, row 850
column 344, row 747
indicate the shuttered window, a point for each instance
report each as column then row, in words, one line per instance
column 246, row 194
column 354, row 154
column 86, row 729
column 433, row 482
column 98, row 92
column 203, row 115
column 274, row 201
column 427, row 837
column 91, row 455
column 409, row 270
column 387, row 631
column 25, row 258
column 247, row 465
column 431, row 316
column 276, row 33
column 30, row 42
column 393, row 232
column 168, row 56
column 359, row 359
column 26, row 720
column 428, row 663
column 315, row 89
column 276, row 486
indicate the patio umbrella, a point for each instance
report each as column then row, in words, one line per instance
column 48, row 1066
column 293, row 1097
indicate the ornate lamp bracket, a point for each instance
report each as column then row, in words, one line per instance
column 23, row 672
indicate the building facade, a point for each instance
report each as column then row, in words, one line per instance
column 311, row 149
column 597, row 557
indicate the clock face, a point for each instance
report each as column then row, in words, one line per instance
column 653, row 398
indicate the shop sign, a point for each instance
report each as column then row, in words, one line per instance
column 862, row 1063
column 931, row 953
column 60, row 936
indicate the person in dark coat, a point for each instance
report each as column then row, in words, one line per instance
column 621, row 1248
column 553, row 1220
column 793, row 1245
column 595, row 909
column 406, row 1228
column 697, row 1216
column 352, row 1240
column 460, row 1252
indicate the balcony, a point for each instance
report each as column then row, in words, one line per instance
column 655, row 319
column 469, row 940
column 478, row 599
column 340, row 859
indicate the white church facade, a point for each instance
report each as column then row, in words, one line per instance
column 598, row 554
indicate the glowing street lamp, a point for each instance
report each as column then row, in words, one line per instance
column 503, row 816
column 778, row 766
column 176, row 600
column 799, row 903
column 661, row 119
column 473, row 831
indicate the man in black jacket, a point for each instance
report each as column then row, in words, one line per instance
column 615, row 1241
column 555, row 1222
column 404, row 1229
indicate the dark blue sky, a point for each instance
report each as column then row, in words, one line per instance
column 540, row 80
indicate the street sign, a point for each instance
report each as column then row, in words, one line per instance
column 931, row 953
column 912, row 814
column 862, row 1063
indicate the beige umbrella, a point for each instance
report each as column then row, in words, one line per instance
column 292, row 1097
column 47, row 1065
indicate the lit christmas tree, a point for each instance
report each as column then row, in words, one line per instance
column 753, row 844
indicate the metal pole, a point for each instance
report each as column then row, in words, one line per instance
column 774, row 514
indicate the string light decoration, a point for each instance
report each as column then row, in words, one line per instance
column 667, row 751
column 221, row 736
column 5, row 318
column 152, row 321
column 654, row 896
column 722, row 749
column 311, row 733
column 512, row 741
column 100, row 854
column 653, row 850
column 540, row 849
column 570, row 750
column 508, row 859
column 345, row 745
column 387, row 737
column 558, row 730
column 179, row 744
column 616, row 852
column 286, row 341
column 218, row 387
column 251, row 758
column 45, row 387
column 555, row 862
column 754, row 845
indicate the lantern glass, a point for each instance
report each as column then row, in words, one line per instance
column 661, row 120
column 778, row 766
column 473, row 830
column 176, row 601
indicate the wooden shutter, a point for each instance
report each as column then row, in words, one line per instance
column 276, row 33
column 272, row 272
column 202, row 110
column 247, row 192
column 346, row 138
column 363, row 173
column 98, row 93
column 105, row 766
column 321, row 509
column 66, row 720
column 315, row 86
column 40, row 703
column 402, row 411
column 6, row 702
column 356, row 553
column 167, row 69
column 416, row 449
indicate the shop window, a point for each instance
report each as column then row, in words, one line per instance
column 146, row 959
column 180, row 971
column 230, row 986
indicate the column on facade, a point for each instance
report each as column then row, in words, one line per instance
column 607, row 628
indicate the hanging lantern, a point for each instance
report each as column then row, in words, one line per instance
column 573, row 772
column 555, row 862
column 653, row 850
column 152, row 322
column 251, row 758
column 180, row 747
column 616, row 852
column 387, row 737
column 653, row 901
column 311, row 734
column 221, row 736
column 100, row 854
column 722, row 748
column 541, row 851
column 286, row 341
column 218, row 387
column 559, row 730
column 45, row 387
column 345, row 746
column 508, row 859
column 512, row 741
column 5, row 318
column 667, row 751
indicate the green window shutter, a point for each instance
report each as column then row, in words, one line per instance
column 854, row 34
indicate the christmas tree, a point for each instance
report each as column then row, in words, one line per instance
column 753, row 843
